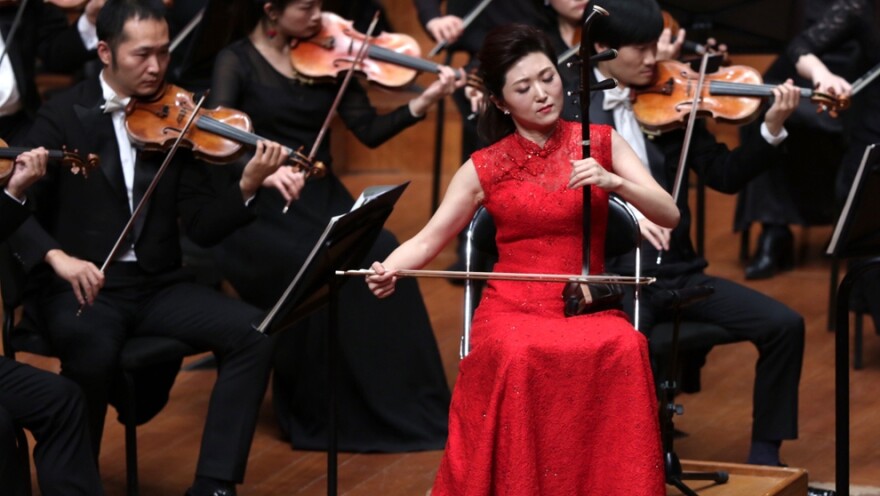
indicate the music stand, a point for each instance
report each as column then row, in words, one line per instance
column 856, row 234
column 343, row 246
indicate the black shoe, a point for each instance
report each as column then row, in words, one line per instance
column 815, row 491
column 775, row 253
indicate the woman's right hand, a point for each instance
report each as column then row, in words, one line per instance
column 383, row 281
column 288, row 181
column 446, row 28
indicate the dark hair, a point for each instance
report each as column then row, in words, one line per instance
column 115, row 13
column 503, row 47
column 630, row 22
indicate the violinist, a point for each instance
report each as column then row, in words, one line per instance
column 144, row 290
column 51, row 407
column 536, row 390
column 633, row 28
column 44, row 33
column 392, row 371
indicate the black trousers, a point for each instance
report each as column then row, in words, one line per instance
column 776, row 330
column 52, row 408
column 133, row 303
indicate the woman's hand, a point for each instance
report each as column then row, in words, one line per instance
column 588, row 171
column 656, row 235
column 267, row 158
column 445, row 28
column 383, row 282
column 288, row 181
column 825, row 81
column 445, row 84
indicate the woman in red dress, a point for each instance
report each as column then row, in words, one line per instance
column 544, row 404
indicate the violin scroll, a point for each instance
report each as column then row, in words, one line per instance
column 826, row 102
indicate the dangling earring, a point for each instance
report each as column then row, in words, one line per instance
column 271, row 32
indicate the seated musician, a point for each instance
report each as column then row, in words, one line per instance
column 633, row 28
column 144, row 290
column 43, row 33
column 51, row 407
column 536, row 388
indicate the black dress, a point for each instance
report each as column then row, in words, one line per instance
column 393, row 393
column 844, row 35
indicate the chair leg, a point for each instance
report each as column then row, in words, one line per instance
column 131, row 464
column 744, row 242
column 24, row 458
column 858, row 341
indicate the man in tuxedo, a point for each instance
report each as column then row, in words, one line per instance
column 144, row 290
column 633, row 28
column 44, row 33
column 51, row 407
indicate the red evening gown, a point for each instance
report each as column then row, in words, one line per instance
column 544, row 404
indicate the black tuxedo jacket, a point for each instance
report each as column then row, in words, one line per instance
column 721, row 169
column 85, row 216
column 12, row 214
column 45, row 34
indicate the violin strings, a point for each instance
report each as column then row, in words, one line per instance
column 386, row 55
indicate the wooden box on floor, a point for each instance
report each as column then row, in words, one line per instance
column 746, row 480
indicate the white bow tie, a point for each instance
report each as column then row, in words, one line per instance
column 616, row 97
column 113, row 104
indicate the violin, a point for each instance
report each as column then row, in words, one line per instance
column 731, row 94
column 217, row 135
column 393, row 60
column 71, row 160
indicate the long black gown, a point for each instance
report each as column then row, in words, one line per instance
column 393, row 394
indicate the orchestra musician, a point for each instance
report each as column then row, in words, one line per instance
column 51, row 407
column 839, row 42
column 144, row 290
column 537, row 388
column 840, row 26
column 393, row 390
column 633, row 28
column 45, row 34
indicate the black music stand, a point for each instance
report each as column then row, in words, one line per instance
column 856, row 234
column 343, row 246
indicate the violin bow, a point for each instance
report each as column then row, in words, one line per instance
column 190, row 26
column 866, row 79
column 466, row 21
column 688, row 134
column 12, row 30
column 362, row 52
column 149, row 192
column 508, row 276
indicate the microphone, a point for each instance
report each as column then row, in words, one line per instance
column 680, row 297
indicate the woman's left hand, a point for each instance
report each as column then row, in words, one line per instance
column 588, row 171
column 445, row 84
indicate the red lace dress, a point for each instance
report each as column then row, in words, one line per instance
column 544, row 404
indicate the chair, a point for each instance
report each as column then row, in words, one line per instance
column 137, row 353
column 622, row 237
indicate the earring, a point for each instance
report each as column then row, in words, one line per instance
column 506, row 112
column 271, row 32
